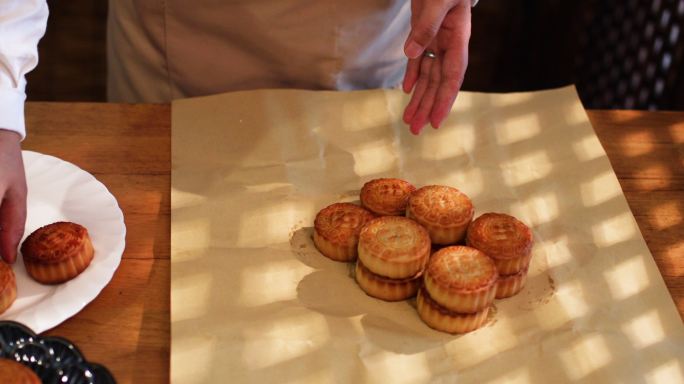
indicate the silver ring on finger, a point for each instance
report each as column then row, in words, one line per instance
column 430, row 54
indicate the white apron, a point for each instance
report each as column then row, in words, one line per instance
column 160, row 50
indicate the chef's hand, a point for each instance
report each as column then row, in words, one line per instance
column 443, row 28
column 12, row 195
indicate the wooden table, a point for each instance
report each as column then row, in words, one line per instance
column 128, row 148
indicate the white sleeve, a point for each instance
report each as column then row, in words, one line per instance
column 22, row 24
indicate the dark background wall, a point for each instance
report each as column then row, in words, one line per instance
column 620, row 53
column 72, row 63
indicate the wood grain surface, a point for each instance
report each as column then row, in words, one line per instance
column 128, row 148
column 646, row 150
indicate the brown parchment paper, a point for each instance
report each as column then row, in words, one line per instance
column 252, row 300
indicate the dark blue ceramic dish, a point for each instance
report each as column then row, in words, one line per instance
column 53, row 359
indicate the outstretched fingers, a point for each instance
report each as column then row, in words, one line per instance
column 452, row 74
column 418, row 92
column 422, row 115
column 411, row 75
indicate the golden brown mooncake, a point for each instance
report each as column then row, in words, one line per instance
column 510, row 285
column 442, row 319
column 385, row 288
column 444, row 211
column 336, row 230
column 57, row 252
column 461, row 279
column 386, row 197
column 12, row 372
column 505, row 239
column 8, row 286
column 394, row 247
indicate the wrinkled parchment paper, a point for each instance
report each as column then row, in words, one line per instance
column 252, row 300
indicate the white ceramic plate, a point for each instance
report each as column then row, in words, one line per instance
column 60, row 191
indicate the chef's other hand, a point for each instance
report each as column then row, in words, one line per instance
column 437, row 48
column 12, row 195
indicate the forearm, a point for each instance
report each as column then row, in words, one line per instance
column 22, row 24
